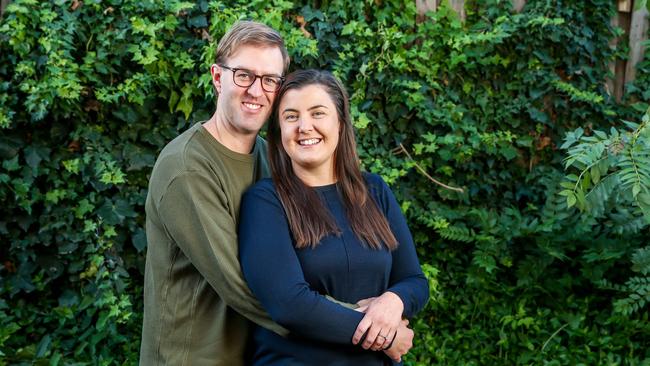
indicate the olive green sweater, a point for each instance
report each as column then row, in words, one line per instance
column 195, row 299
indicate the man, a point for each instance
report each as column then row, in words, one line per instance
column 195, row 299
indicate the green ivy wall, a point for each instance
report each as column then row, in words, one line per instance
column 91, row 91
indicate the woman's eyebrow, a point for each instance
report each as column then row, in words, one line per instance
column 317, row 106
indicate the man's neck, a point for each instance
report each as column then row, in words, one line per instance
column 228, row 137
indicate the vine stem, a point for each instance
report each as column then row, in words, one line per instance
column 403, row 149
column 553, row 335
column 575, row 186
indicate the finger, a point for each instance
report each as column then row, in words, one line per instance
column 363, row 302
column 389, row 339
column 362, row 328
column 381, row 343
column 362, row 309
column 371, row 337
column 366, row 301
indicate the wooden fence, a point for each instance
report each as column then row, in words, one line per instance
column 634, row 23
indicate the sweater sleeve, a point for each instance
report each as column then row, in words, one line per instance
column 406, row 277
column 196, row 216
column 273, row 271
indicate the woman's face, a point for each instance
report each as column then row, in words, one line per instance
column 309, row 126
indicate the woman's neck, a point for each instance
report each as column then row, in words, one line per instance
column 315, row 177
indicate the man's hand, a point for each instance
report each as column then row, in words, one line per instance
column 383, row 317
column 402, row 343
column 362, row 305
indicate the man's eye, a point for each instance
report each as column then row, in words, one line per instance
column 270, row 81
column 244, row 76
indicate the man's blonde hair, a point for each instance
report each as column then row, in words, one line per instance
column 248, row 33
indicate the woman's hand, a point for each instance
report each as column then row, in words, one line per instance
column 383, row 317
column 402, row 343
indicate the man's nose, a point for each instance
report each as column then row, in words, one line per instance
column 256, row 88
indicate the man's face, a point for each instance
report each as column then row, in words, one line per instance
column 244, row 110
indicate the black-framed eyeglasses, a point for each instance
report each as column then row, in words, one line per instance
column 245, row 78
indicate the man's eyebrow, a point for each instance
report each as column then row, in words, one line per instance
column 251, row 71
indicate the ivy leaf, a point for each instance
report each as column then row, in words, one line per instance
column 509, row 152
column 139, row 240
column 43, row 346
column 11, row 164
column 199, row 21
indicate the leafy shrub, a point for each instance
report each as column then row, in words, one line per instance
column 91, row 91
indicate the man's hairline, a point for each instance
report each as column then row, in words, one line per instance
column 259, row 45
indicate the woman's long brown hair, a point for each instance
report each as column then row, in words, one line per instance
column 309, row 221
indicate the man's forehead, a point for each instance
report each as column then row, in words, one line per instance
column 261, row 59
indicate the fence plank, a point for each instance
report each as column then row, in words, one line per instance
column 459, row 7
column 3, row 5
column 625, row 6
column 615, row 85
column 638, row 34
column 518, row 5
column 423, row 6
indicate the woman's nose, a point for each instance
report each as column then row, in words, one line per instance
column 305, row 125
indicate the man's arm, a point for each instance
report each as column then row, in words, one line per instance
column 195, row 213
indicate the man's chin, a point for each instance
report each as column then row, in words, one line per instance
column 255, row 124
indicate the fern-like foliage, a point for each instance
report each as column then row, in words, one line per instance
column 610, row 170
column 636, row 288
column 609, row 179
column 457, row 233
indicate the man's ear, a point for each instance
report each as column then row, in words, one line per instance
column 216, row 72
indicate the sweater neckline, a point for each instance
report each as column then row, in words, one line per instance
column 326, row 188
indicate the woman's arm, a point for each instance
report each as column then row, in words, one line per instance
column 273, row 272
column 408, row 289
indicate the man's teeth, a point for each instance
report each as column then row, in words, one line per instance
column 252, row 106
column 309, row 142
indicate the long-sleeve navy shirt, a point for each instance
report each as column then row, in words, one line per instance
column 291, row 283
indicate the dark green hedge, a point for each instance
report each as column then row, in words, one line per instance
column 91, row 91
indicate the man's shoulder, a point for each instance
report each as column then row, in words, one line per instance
column 182, row 142
column 183, row 152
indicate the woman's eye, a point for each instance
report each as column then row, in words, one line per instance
column 290, row 117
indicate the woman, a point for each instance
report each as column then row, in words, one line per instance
column 321, row 227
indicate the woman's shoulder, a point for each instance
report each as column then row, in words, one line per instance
column 374, row 181
column 264, row 187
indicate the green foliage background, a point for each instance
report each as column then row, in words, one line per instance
column 90, row 92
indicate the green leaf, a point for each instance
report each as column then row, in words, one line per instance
column 571, row 200
column 43, row 346
column 595, row 174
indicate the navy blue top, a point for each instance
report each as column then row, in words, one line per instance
column 291, row 283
